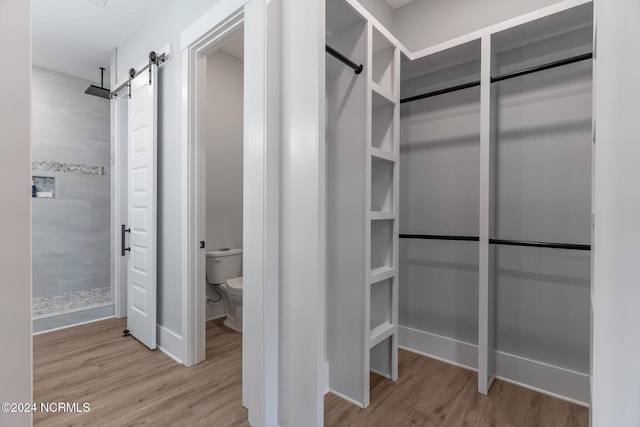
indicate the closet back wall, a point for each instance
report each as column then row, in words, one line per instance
column 439, row 195
column 70, row 142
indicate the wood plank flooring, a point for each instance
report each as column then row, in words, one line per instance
column 128, row 385
column 432, row 393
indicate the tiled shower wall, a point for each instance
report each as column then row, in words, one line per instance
column 70, row 142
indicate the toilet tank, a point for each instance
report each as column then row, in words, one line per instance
column 223, row 264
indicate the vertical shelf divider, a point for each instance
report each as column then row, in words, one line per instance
column 486, row 313
column 367, row 224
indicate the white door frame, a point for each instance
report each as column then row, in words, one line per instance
column 260, row 200
column 118, row 215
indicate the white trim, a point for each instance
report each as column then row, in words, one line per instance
column 367, row 16
column 555, row 381
column 348, row 399
column 444, row 349
column 260, row 215
column 382, row 374
column 325, row 375
column 73, row 325
column 561, row 383
column 541, row 391
column 170, row 343
column 216, row 317
column 117, row 261
column 205, row 26
column 193, row 60
column 504, row 25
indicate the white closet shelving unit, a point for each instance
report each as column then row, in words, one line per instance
column 382, row 191
column 534, row 185
column 362, row 204
column 523, row 312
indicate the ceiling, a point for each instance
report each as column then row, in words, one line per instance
column 75, row 37
column 398, row 3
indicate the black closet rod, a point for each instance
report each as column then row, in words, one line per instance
column 540, row 244
column 439, row 237
column 500, row 78
column 356, row 68
column 499, row 241
column 441, row 91
column 543, row 67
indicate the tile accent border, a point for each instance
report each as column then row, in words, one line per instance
column 46, row 165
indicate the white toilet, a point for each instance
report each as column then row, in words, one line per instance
column 224, row 268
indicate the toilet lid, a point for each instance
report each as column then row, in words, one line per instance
column 235, row 283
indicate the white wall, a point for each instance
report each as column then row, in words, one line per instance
column 165, row 26
column 224, row 145
column 15, row 220
column 302, row 226
column 423, row 23
column 616, row 293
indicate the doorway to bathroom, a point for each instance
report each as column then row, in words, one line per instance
column 223, row 181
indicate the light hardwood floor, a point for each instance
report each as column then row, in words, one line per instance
column 431, row 393
column 128, row 385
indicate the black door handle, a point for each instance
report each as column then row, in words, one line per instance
column 122, row 237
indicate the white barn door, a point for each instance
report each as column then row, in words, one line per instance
column 142, row 208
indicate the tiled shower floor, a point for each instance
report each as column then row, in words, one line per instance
column 71, row 301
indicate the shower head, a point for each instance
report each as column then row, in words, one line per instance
column 101, row 91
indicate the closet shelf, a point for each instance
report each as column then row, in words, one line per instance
column 383, row 154
column 380, row 333
column 381, row 215
column 381, row 273
column 383, row 93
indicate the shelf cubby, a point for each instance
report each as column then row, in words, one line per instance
column 382, row 179
column 382, row 72
column 381, row 297
column 382, row 123
column 382, row 244
column 381, row 355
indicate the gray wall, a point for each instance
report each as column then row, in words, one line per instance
column 543, row 193
column 424, row 23
column 224, row 121
column 439, row 194
column 71, row 233
column 616, row 347
column 15, row 220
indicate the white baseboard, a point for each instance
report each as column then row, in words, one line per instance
column 547, row 379
column 438, row 347
column 216, row 317
column 348, row 399
column 69, row 319
column 382, row 374
column 325, row 376
column 170, row 344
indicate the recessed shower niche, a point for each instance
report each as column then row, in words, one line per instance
column 45, row 187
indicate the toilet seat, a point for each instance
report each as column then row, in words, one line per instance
column 235, row 283
column 234, row 286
